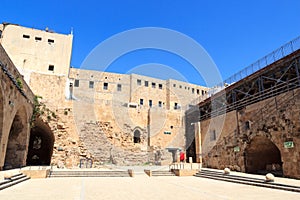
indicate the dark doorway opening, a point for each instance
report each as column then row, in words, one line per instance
column 191, row 151
column 40, row 145
column 137, row 136
column 262, row 156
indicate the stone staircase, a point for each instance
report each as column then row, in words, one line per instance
column 13, row 180
column 162, row 173
column 220, row 176
column 81, row 173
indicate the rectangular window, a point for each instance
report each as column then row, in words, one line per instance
column 105, row 86
column 213, row 135
column 50, row 41
column 198, row 91
column 202, row 92
column 153, row 85
column 160, row 86
column 51, row 68
column 180, row 86
column 193, row 90
column 146, row 83
column 139, row 82
column 150, row 103
column 175, row 106
column 91, row 84
column 119, row 87
column 38, row 39
column 160, row 104
column 174, row 85
column 76, row 83
column 26, row 36
column 141, row 102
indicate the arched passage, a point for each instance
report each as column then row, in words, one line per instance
column 40, row 144
column 263, row 156
column 17, row 141
column 137, row 136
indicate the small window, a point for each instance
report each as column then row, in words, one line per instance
column 146, row 83
column 198, row 92
column 91, row 84
column 141, row 102
column 160, row 104
column 51, row 68
column 213, row 135
column 150, row 103
column 26, row 36
column 185, row 87
column 0, row 33
column 193, row 90
column 50, row 41
column 76, row 83
column 139, row 82
column 175, row 106
column 247, row 125
column 202, row 91
column 180, row 86
column 153, row 85
column 38, row 39
column 119, row 87
column 160, row 86
column 105, row 86
column 174, row 85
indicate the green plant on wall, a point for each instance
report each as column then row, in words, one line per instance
column 40, row 109
column 19, row 83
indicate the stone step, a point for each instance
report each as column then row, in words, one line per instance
column 245, row 180
column 89, row 174
column 162, row 173
column 15, row 179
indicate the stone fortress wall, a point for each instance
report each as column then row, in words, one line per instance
column 135, row 115
column 133, row 103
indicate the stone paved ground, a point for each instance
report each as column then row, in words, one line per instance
column 140, row 187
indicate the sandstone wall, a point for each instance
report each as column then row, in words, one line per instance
column 275, row 120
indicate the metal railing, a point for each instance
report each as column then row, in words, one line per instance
column 272, row 57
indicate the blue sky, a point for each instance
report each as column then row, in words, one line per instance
column 234, row 33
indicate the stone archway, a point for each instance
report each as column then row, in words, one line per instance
column 40, row 144
column 263, row 156
column 137, row 136
column 17, row 141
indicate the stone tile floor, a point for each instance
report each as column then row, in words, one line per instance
column 140, row 187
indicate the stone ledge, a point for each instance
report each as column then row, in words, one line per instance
column 36, row 173
column 185, row 172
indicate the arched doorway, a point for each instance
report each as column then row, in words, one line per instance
column 137, row 136
column 263, row 156
column 40, row 144
column 17, row 142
